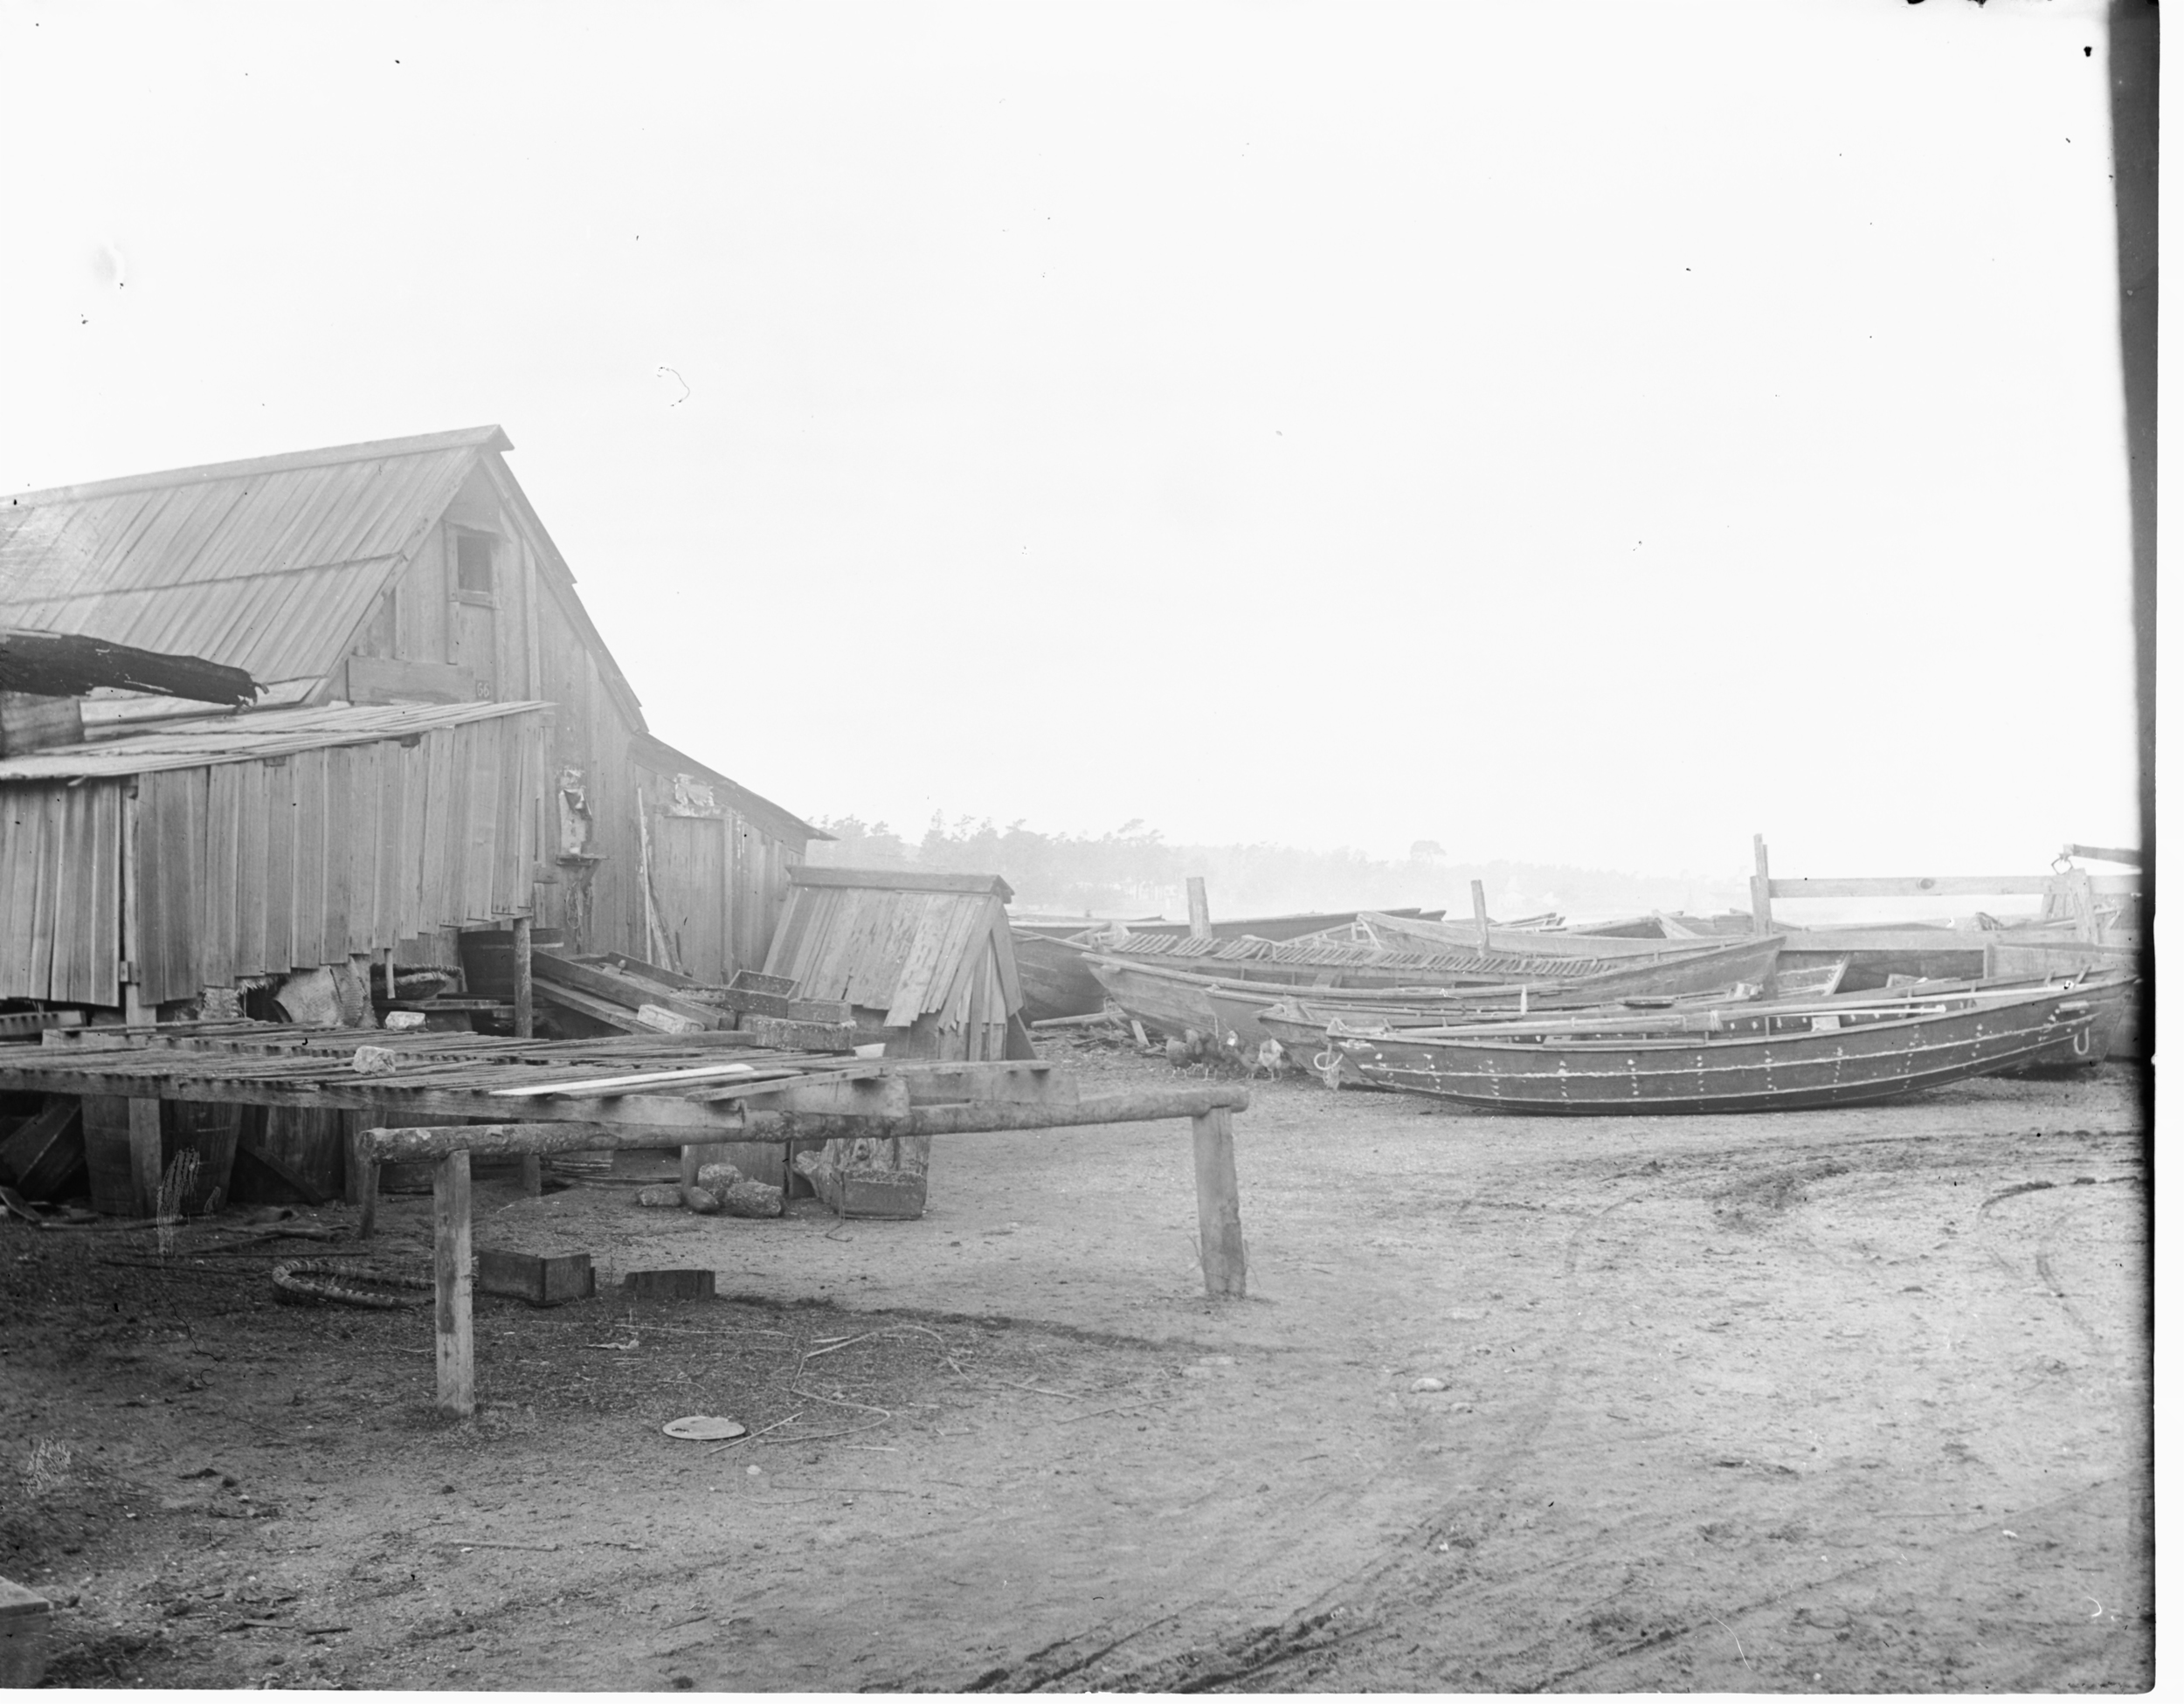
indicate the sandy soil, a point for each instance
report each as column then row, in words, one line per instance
column 1818, row 1402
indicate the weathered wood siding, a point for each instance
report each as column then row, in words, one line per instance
column 935, row 966
column 60, row 892
column 260, row 867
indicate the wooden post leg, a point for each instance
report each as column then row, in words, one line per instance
column 1221, row 1216
column 528, row 1166
column 144, row 1155
column 363, row 1182
column 450, row 1284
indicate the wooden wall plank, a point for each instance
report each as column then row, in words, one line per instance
column 485, row 820
column 104, row 988
column 218, row 907
column 307, row 917
column 17, row 817
column 71, row 867
column 281, row 806
column 45, row 859
column 340, row 764
column 438, row 827
column 411, row 919
column 171, row 831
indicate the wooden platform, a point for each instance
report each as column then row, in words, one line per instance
column 528, row 1098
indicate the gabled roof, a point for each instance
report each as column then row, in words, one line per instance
column 270, row 565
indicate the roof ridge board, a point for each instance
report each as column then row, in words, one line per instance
column 489, row 436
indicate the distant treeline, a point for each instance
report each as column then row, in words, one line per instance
column 1131, row 871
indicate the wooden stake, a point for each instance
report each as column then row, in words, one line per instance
column 529, row 1168
column 1220, row 1215
column 145, row 1157
column 1201, row 918
column 1478, row 914
column 1762, row 889
column 451, row 1350
column 363, row 1179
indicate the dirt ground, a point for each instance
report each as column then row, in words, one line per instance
column 1816, row 1401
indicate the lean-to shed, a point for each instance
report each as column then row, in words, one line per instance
column 412, row 572
column 927, row 957
column 143, row 869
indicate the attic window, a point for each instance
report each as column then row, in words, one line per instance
column 473, row 564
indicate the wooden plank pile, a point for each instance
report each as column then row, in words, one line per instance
column 632, row 998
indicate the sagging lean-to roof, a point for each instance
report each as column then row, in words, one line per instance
column 906, row 943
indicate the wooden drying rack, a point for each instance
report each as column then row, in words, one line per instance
column 529, row 1097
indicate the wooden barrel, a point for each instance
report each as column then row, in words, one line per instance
column 489, row 960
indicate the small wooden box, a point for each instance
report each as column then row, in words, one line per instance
column 23, row 1619
column 545, row 1280
column 669, row 1284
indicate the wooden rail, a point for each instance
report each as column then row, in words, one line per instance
column 1221, row 1256
column 2078, row 886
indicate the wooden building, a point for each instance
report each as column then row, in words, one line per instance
column 411, row 572
column 926, row 957
column 138, row 871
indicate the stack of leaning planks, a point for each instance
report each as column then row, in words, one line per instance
column 617, row 992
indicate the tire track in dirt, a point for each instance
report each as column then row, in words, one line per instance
column 1404, row 1577
column 1385, row 1598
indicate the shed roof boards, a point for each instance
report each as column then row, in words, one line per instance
column 901, row 942
column 662, row 758
column 271, row 565
column 238, row 739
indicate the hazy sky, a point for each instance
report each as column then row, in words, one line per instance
column 1586, row 432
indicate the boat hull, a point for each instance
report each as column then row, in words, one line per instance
column 1172, row 999
column 1831, row 1063
column 1684, row 968
column 1057, row 983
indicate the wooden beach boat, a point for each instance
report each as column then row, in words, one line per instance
column 1162, row 996
column 1412, row 934
column 1306, row 1029
column 1681, row 968
column 1771, row 1057
column 1057, row 984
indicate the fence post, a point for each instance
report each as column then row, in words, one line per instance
column 1762, row 889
